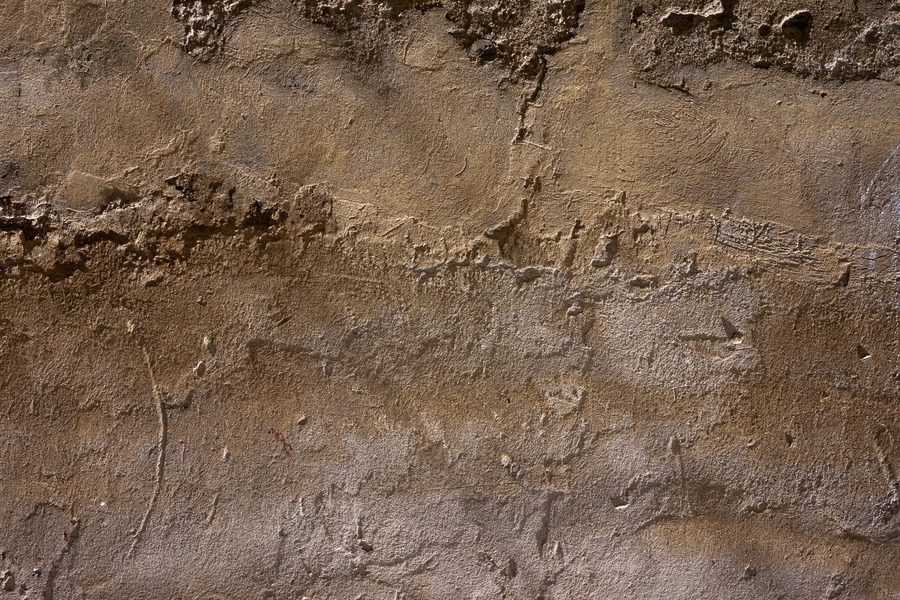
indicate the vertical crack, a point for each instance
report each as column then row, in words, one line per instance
column 161, row 443
column 55, row 567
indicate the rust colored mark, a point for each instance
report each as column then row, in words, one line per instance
column 288, row 449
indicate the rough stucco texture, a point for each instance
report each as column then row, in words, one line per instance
column 449, row 299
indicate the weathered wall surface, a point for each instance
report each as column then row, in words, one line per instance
column 449, row 299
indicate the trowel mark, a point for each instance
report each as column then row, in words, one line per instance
column 882, row 197
column 542, row 533
column 884, row 188
column 212, row 511
column 675, row 447
column 887, row 509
